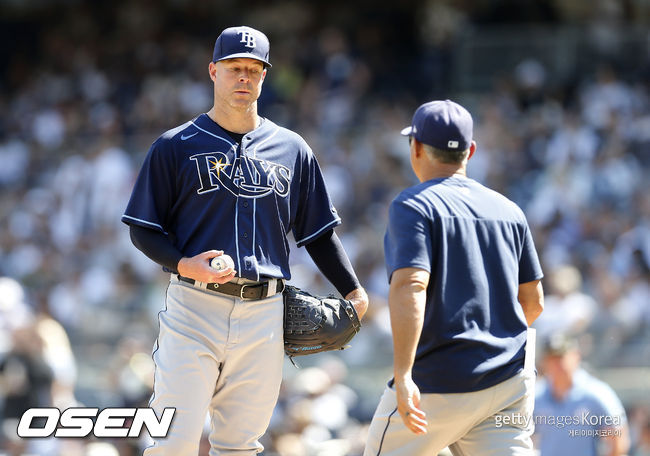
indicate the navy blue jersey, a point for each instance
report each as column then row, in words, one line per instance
column 477, row 246
column 208, row 192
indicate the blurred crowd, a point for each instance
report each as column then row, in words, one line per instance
column 78, row 302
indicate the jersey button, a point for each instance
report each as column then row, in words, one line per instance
column 245, row 235
column 245, row 204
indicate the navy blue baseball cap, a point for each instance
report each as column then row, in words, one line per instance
column 444, row 125
column 242, row 42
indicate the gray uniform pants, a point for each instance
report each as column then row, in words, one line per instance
column 220, row 355
column 496, row 421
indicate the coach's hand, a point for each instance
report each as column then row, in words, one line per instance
column 408, row 403
column 359, row 300
column 198, row 268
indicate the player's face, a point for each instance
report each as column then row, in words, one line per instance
column 237, row 82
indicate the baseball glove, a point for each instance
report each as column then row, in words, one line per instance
column 315, row 324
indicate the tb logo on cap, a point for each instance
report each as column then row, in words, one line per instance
column 247, row 38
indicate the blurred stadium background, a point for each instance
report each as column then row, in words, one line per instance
column 560, row 92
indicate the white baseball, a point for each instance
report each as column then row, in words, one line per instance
column 222, row 262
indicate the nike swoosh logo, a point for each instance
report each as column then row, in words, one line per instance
column 183, row 137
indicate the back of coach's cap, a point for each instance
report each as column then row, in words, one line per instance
column 242, row 42
column 444, row 125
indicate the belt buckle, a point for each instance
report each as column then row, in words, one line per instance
column 241, row 292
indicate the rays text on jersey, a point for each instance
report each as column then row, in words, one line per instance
column 246, row 177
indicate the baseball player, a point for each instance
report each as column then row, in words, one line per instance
column 464, row 287
column 229, row 182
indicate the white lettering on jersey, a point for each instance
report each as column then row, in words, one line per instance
column 246, row 177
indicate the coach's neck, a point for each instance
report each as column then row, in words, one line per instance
column 426, row 166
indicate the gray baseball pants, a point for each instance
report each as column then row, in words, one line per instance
column 495, row 421
column 216, row 355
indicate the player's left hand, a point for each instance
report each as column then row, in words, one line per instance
column 359, row 300
column 408, row 403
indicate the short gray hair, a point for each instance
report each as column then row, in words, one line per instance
column 446, row 156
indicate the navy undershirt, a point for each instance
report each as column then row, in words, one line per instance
column 330, row 257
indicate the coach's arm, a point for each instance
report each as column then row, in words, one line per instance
column 531, row 298
column 407, row 298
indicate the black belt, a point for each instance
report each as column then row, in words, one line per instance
column 258, row 290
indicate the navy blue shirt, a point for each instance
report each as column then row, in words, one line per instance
column 477, row 247
column 208, row 192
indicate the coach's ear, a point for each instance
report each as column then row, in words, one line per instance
column 418, row 150
column 472, row 149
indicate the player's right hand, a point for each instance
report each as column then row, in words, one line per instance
column 198, row 268
column 408, row 403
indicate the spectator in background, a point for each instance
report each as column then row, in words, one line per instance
column 575, row 413
column 567, row 308
column 25, row 382
column 643, row 446
column 639, row 426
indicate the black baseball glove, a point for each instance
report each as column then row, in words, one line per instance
column 315, row 324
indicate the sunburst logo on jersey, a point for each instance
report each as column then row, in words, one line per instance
column 219, row 165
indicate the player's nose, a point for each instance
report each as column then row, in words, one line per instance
column 244, row 75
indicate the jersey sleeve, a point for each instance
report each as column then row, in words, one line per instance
column 407, row 243
column 152, row 195
column 529, row 267
column 316, row 213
